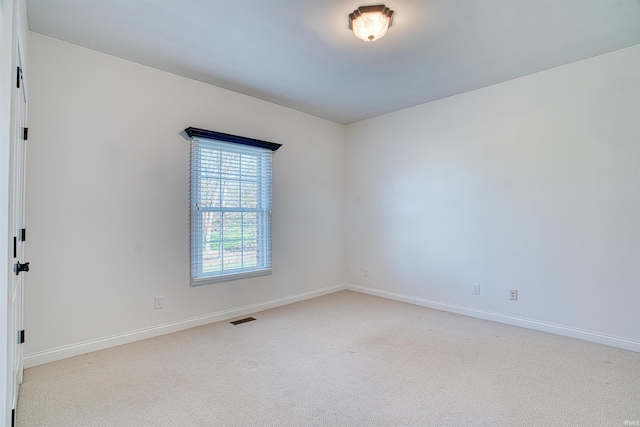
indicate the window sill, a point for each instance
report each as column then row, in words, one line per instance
column 229, row 277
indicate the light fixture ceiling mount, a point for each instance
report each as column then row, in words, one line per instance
column 369, row 23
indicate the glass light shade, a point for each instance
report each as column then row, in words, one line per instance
column 369, row 23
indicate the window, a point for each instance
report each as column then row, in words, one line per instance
column 230, row 206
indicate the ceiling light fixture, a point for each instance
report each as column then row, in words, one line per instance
column 370, row 23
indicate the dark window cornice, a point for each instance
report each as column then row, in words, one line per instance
column 219, row 136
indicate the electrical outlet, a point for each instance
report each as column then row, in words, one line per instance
column 513, row 294
column 157, row 302
column 366, row 272
column 476, row 288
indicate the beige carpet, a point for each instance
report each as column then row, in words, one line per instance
column 345, row 359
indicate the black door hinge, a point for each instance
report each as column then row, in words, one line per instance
column 13, row 418
column 25, row 133
column 15, row 247
column 18, row 77
column 23, row 234
column 21, row 337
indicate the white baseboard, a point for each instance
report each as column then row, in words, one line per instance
column 567, row 331
column 47, row 356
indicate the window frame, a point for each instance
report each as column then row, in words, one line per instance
column 226, row 144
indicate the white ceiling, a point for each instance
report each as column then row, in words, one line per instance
column 301, row 54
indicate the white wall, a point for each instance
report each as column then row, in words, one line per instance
column 531, row 184
column 108, row 200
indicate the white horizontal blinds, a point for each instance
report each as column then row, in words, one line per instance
column 231, row 208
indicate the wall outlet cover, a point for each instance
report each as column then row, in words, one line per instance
column 158, row 302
